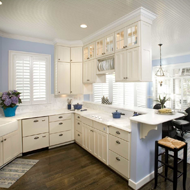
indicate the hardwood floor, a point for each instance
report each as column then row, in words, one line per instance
column 72, row 168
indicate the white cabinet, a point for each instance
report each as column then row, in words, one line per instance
column 11, row 146
column 63, row 53
column 61, row 137
column 100, row 50
column 1, row 151
column 76, row 54
column 127, row 66
column 76, row 78
column 89, row 52
column 89, row 71
column 101, row 146
column 128, row 37
column 63, row 78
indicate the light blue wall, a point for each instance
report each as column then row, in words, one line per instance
column 7, row 44
column 166, row 61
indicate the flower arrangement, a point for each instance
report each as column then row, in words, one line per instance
column 10, row 99
column 162, row 101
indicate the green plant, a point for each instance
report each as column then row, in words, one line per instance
column 162, row 101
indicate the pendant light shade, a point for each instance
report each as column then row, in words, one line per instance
column 160, row 72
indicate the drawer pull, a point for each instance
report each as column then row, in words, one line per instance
column 5, row 139
column 118, row 132
column 44, row 120
column 78, row 117
column 117, row 159
column 2, row 141
column 36, row 138
column 118, row 142
column 35, row 121
column 78, row 123
column 78, row 135
column 43, row 136
column 92, row 130
column 60, row 123
column 60, row 117
column 61, row 135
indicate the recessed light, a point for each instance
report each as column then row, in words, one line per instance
column 83, row 26
column 1, row 3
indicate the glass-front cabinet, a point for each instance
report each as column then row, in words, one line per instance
column 89, row 52
column 100, row 48
column 109, row 44
column 127, row 37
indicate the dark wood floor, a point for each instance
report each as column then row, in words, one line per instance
column 72, row 168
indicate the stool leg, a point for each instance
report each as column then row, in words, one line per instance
column 175, row 169
column 166, row 161
column 184, row 166
column 156, row 165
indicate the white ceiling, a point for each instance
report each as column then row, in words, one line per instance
column 50, row 19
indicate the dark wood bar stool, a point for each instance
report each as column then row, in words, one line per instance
column 173, row 145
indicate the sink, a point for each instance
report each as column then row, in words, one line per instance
column 7, row 126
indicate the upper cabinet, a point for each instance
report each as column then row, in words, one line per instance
column 100, row 48
column 89, row 52
column 76, row 54
column 127, row 37
column 63, row 53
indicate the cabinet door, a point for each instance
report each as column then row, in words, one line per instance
column 91, row 50
column 63, row 54
column 63, row 78
column 76, row 54
column 132, row 65
column 132, row 33
column 85, row 72
column 101, row 146
column 91, row 140
column 10, row 146
column 76, row 78
column 1, row 151
column 89, row 71
column 85, row 53
column 120, row 39
column 100, row 48
column 120, row 62
column 109, row 44
column 85, row 139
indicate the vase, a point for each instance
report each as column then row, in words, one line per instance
column 10, row 112
column 162, row 106
column 69, row 106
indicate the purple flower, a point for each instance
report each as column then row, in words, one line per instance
column 4, row 97
column 15, row 91
column 4, row 93
column 14, row 99
column 7, row 102
column 19, row 96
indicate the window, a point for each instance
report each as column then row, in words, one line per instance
column 30, row 75
column 129, row 94
column 175, row 86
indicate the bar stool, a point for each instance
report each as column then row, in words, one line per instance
column 173, row 145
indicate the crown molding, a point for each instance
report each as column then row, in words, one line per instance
column 141, row 11
column 68, row 43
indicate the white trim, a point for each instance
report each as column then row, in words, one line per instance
column 144, row 180
column 68, row 43
column 11, row 71
column 25, row 38
column 137, row 12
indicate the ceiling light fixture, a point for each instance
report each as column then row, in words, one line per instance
column 160, row 72
column 83, row 26
column 1, row 3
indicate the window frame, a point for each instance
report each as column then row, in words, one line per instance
column 11, row 74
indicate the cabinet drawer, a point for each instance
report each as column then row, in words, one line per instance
column 78, row 117
column 59, row 126
column 78, row 137
column 59, row 117
column 119, row 163
column 119, row 133
column 87, row 121
column 35, row 126
column 100, row 127
column 59, row 138
column 119, row 146
column 35, row 142
column 78, row 126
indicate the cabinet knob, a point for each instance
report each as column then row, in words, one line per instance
column 58, row 92
column 71, row 59
column 118, row 132
column 117, row 159
column 60, row 117
column 88, row 80
column 88, row 58
column 118, row 142
column 35, row 121
column 78, row 135
column 59, row 59
column 61, row 135
column 2, row 141
column 78, row 123
column 60, row 123
column 91, row 130
column 71, row 91
column 36, row 138
column 43, row 136
column 5, row 139
column 78, row 117
column 124, row 46
column 126, row 77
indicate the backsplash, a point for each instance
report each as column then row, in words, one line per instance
column 57, row 102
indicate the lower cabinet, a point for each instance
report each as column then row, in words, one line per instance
column 9, row 147
column 78, row 137
column 35, row 142
column 61, row 137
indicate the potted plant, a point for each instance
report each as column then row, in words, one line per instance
column 162, row 101
column 9, row 101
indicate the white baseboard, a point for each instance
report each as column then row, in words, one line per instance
column 143, row 181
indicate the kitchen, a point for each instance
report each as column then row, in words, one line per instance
column 109, row 69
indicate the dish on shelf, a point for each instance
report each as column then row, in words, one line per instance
column 106, row 65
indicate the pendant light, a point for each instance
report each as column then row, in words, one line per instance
column 160, row 72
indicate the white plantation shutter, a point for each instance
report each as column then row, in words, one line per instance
column 22, row 79
column 141, row 94
column 129, row 94
column 186, row 94
column 118, row 92
column 39, row 79
column 30, row 75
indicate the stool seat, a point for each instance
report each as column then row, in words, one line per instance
column 180, row 122
column 171, row 143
